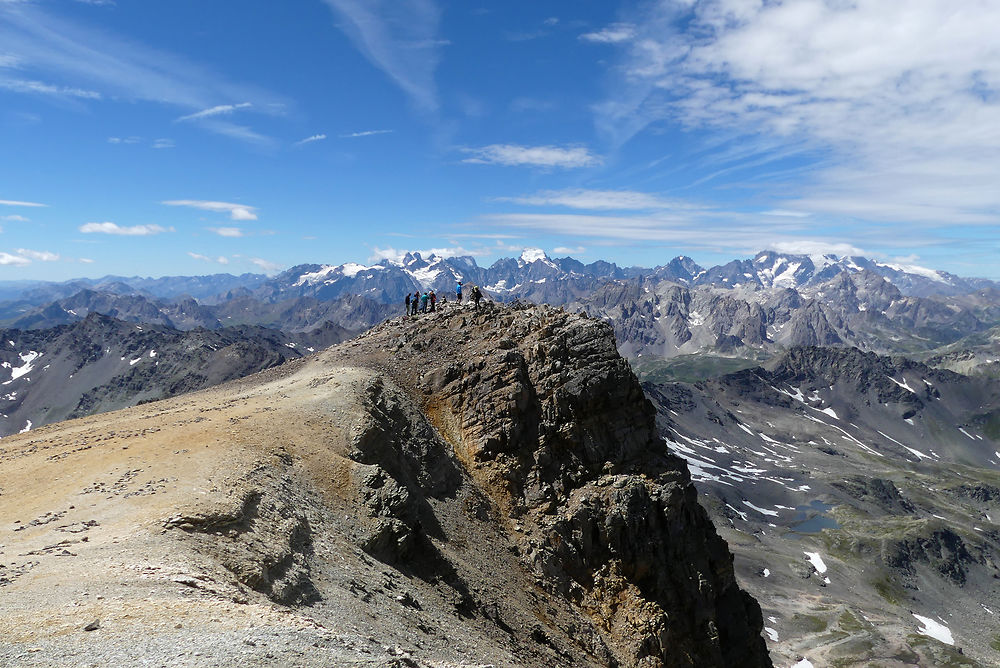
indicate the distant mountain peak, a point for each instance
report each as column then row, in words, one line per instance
column 530, row 255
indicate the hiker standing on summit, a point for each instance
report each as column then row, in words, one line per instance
column 458, row 292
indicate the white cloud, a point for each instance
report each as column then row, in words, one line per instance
column 580, row 198
column 235, row 211
column 14, row 219
column 365, row 133
column 898, row 100
column 399, row 37
column 41, row 88
column 563, row 250
column 266, row 266
column 222, row 259
column 613, row 34
column 124, row 140
column 7, row 258
column 811, row 247
column 113, row 228
column 42, row 256
column 533, row 156
column 396, row 254
column 311, row 139
column 12, row 202
column 163, row 143
column 217, row 110
column 86, row 260
column 226, row 231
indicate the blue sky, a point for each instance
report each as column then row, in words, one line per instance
column 197, row 137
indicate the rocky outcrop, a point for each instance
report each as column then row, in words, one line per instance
column 554, row 430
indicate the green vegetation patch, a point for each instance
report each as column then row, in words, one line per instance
column 690, row 368
column 941, row 655
column 888, row 588
column 809, row 623
column 849, row 622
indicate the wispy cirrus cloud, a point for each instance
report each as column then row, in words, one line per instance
column 217, row 110
column 129, row 231
column 895, row 105
column 364, row 133
column 599, row 200
column 14, row 202
column 514, row 155
column 235, row 211
column 159, row 143
column 85, row 63
column 42, row 88
column 14, row 218
column 399, row 37
column 221, row 259
column 310, row 139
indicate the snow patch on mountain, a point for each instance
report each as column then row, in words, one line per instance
column 934, row 629
column 28, row 358
column 917, row 270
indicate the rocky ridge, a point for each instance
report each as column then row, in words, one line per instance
column 453, row 489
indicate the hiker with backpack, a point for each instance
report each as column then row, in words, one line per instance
column 407, row 302
column 476, row 295
column 433, row 300
column 458, row 292
column 415, row 301
column 423, row 302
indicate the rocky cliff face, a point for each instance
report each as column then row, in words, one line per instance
column 552, row 426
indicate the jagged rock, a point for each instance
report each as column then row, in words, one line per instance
column 881, row 493
column 550, row 422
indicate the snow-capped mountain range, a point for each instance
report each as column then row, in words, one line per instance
column 531, row 276
column 762, row 304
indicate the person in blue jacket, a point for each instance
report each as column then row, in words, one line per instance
column 458, row 292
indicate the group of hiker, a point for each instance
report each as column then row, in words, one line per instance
column 427, row 302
